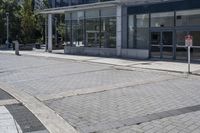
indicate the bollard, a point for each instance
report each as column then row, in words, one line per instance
column 16, row 47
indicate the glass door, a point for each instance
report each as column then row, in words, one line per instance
column 155, row 44
column 167, row 44
column 92, row 39
column 162, row 44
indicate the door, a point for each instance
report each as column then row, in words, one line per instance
column 162, row 44
column 92, row 39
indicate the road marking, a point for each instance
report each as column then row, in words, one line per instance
column 8, row 102
column 52, row 121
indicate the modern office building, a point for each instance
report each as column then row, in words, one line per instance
column 38, row 4
column 128, row 28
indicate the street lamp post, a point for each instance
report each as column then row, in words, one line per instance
column 7, row 28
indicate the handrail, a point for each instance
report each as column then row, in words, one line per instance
column 181, row 46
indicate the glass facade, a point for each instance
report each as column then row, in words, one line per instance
column 138, row 31
column 163, row 33
column 92, row 20
column 108, row 28
column 91, row 28
column 62, row 3
column 188, row 18
column 188, row 23
column 77, row 21
column 160, row 28
column 162, row 19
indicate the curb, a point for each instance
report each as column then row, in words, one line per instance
column 52, row 121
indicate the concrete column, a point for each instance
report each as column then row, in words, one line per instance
column 119, row 30
column 46, row 33
column 56, row 33
column 50, row 33
column 124, row 27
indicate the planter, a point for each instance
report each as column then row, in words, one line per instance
column 28, row 47
column 106, row 52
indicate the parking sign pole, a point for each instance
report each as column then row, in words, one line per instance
column 189, row 58
column 189, row 43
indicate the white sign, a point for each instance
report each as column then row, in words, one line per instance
column 188, row 40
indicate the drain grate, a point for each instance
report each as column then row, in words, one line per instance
column 26, row 120
column 4, row 95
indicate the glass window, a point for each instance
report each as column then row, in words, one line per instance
column 108, row 12
column 92, row 28
column 93, row 32
column 91, row 1
column 68, row 28
column 138, row 31
column 68, row 32
column 76, row 2
column 108, row 32
column 108, row 27
column 142, row 20
column 131, row 29
column 181, row 52
column 92, row 14
column 65, row 2
column 78, row 29
column 162, row 19
column 89, row 29
column 180, row 35
column 142, row 38
column 78, row 15
column 188, row 18
column 67, row 16
column 57, row 3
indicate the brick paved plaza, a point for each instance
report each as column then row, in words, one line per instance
column 101, row 98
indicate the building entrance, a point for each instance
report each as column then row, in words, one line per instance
column 93, row 39
column 162, row 45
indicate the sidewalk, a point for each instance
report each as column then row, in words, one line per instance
column 171, row 66
column 16, row 118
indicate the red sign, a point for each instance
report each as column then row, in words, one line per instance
column 188, row 40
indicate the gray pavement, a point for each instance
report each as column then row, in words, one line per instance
column 155, row 64
column 16, row 118
column 142, row 100
column 95, row 111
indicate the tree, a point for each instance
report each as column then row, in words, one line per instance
column 12, row 7
column 28, row 22
column 23, row 22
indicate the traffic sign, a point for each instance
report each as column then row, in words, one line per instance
column 188, row 40
column 189, row 43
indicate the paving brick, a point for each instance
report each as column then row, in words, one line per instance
column 152, row 93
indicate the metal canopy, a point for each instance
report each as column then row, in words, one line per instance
column 61, row 10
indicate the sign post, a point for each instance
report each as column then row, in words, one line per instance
column 189, row 43
column 189, row 57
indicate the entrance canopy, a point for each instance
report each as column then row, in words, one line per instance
column 61, row 10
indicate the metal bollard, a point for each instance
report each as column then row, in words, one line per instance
column 16, row 47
